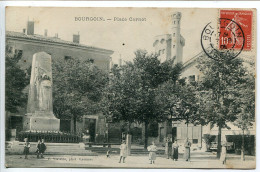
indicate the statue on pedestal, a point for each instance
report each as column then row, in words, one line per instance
column 39, row 108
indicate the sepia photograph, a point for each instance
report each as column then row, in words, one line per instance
column 92, row 87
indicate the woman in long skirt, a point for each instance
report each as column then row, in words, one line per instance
column 123, row 152
column 27, row 146
column 187, row 146
column 175, row 151
column 223, row 153
column 152, row 152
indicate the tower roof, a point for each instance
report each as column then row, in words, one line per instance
column 176, row 15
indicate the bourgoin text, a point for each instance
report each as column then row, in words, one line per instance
column 115, row 19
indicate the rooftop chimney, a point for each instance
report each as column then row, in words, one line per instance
column 30, row 28
column 45, row 32
column 76, row 38
column 56, row 35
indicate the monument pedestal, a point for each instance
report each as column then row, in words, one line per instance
column 38, row 122
column 39, row 115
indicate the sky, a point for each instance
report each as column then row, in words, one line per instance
column 123, row 37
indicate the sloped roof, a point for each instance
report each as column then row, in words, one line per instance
column 12, row 34
column 192, row 60
column 247, row 59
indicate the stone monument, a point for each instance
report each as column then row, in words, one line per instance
column 40, row 115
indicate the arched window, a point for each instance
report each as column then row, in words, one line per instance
column 173, row 46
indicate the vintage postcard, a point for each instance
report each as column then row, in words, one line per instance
column 130, row 87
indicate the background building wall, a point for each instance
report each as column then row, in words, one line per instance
column 57, row 51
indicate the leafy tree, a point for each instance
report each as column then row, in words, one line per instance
column 178, row 101
column 78, row 88
column 244, row 105
column 16, row 80
column 219, row 84
column 133, row 89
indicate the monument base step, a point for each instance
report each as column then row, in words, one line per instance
column 41, row 123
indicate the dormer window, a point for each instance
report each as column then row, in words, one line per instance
column 67, row 57
column 91, row 60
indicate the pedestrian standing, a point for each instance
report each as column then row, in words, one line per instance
column 27, row 146
column 38, row 147
column 43, row 148
column 223, row 154
column 168, row 147
column 175, row 151
column 123, row 152
column 187, row 146
column 152, row 153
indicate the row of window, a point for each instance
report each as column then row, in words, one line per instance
column 175, row 22
column 70, row 57
column 161, row 52
column 190, row 78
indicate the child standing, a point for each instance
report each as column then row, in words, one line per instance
column 123, row 152
column 152, row 152
column 42, row 148
column 108, row 153
column 27, row 146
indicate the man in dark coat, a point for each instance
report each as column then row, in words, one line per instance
column 38, row 147
column 42, row 148
column 168, row 147
column 175, row 151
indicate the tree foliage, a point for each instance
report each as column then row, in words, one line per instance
column 132, row 93
column 222, row 83
column 223, row 92
column 15, row 82
column 78, row 88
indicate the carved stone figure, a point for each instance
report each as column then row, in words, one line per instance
column 39, row 108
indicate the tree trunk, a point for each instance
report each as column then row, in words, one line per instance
column 145, row 135
column 219, row 142
column 75, row 123
column 243, row 147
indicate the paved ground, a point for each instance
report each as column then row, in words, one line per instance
column 139, row 161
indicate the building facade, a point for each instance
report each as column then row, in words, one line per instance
column 27, row 43
column 170, row 46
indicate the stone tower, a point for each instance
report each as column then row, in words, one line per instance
column 177, row 40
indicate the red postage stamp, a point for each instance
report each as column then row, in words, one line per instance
column 239, row 23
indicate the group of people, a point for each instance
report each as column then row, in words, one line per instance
column 40, row 148
column 171, row 150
